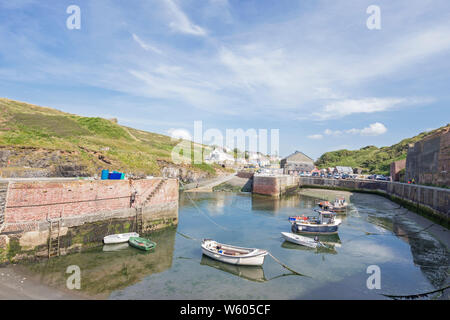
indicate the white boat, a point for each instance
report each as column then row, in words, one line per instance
column 119, row 238
column 301, row 240
column 232, row 254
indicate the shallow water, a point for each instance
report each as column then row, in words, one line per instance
column 374, row 231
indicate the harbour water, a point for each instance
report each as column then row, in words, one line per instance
column 374, row 231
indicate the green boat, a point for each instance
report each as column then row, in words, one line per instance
column 141, row 243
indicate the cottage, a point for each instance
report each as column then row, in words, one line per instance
column 297, row 163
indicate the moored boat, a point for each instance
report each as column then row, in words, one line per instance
column 119, row 238
column 339, row 205
column 304, row 241
column 325, row 223
column 142, row 243
column 233, row 254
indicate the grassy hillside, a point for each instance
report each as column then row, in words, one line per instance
column 371, row 159
column 94, row 142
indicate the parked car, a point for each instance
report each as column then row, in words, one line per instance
column 372, row 177
column 315, row 174
column 345, row 176
column 336, row 176
column 381, row 178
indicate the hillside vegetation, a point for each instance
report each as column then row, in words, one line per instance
column 93, row 143
column 371, row 159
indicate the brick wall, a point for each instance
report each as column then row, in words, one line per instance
column 29, row 203
column 428, row 161
column 396, row 167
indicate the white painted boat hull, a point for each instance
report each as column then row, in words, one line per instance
column 254, row 258
column 300, row 240
column 119, row 238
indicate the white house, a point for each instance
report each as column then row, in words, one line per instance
column 218, row 156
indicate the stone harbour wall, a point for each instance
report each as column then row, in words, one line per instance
column 30, row 208
column 274, row 185
column 432, row 201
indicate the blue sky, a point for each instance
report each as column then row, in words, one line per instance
column 311, row 69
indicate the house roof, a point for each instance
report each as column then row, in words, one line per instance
column 298, row 156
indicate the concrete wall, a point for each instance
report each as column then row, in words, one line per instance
column 437, row 200
column 30, row 205
column 274, row 185
column 428, row 161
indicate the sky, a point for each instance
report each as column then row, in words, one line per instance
column 311, row 69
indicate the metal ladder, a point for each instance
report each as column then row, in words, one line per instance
column 54, row 238
column 139, row 211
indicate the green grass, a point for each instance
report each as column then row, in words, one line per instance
column 371, row 159
column 129, row 150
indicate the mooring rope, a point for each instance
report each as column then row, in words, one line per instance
column 204, row 214
column 415, row 296
column 285, row 266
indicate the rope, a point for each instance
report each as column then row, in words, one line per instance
column 187, row 237
column 286, row 267
column 204, row 214
column 415, row 296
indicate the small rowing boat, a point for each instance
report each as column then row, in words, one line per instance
column 301, row 240
column 119, row 238
column 232, row 254
column 141, row 243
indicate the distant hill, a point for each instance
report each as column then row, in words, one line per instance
column 38, row 138
column 372, row 159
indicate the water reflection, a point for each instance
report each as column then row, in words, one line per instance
column 108, row 268
column 252, row 273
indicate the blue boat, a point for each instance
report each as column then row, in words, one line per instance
column 324, row 223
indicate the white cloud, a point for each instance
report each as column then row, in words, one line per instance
column 144, row 45
column 343, row 108
column 315, row 136
column 180, row 22
column 375, row 129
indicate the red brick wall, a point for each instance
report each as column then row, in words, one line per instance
column 35, row 201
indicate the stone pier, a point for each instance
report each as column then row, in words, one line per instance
column 30, row 209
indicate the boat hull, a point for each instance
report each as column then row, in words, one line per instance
column 254, row 257
column 314, row 229
column 303, row 241
column 119, row 238
column 250, row 261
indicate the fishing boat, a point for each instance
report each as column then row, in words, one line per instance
column 326, row 205
column 339, row 205
column 304, row 241
column 141, row 243
column 232, row 254
column 119, row 238
column 325, row 223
